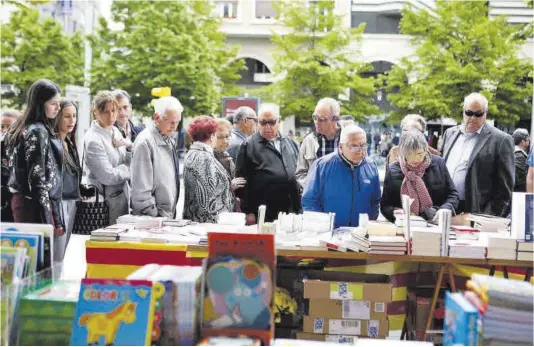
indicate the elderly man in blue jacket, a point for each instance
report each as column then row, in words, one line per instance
column 344, row 182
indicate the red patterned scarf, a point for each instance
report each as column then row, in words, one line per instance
column 414, row 186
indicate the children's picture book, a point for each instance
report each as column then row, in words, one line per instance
column 13, row 261
column 46, row 255
column 115, row 312
column 461, row 321
column 29, row 242
column 238, row 286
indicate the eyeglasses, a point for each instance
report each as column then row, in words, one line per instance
column 268, row 122
column 362, row 148
column 317, row 118
column 476, row 114
column 223, row 137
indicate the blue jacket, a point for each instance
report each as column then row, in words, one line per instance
column 334, row 185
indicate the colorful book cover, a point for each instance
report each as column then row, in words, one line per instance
column 47, row 254
column 115, row 312
column 461, row 321
column 238, row 286
column 29, row 242
column 13, row 261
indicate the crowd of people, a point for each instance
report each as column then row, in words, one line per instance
column 240, row 166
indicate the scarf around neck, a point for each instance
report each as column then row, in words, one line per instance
column 414, row 186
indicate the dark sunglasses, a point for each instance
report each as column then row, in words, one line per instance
column 470, row 113
column 268, row 122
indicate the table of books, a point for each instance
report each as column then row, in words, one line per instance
column 119, row 259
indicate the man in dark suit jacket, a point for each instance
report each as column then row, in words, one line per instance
column 522, row 146
column 480, row 160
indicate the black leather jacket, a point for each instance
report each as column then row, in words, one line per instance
column 36, row 164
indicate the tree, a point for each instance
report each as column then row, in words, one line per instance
column 176, row 44
column 316, row 59
column 34, row 48
column 460, row 50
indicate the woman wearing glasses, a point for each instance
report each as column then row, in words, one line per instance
column 207, row 183
column 420, row 175
column 220, row 151
column 411, row 121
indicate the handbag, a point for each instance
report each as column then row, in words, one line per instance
column 71, row 186
column 91, row 215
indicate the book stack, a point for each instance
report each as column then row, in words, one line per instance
column 525, row 250
column 415, row 222
column 387, row 245
column 47, row 315
column 488, row 223
column 461, row 321
column 141, row 222
column 177, row 306
column 507, row 307
column 426, row 241
column 500, row 246
column 467, row 249
column 380, row 228
column 111, row 233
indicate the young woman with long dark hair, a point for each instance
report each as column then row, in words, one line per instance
column 36, row 159
column 73, row 190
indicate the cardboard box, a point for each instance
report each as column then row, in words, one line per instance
column 347, row 309
column 366, row 328
column 348, row 339
column 378, row 292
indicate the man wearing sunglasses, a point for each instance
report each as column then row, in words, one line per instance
column 268, row 161
column 245, row 123
column 324, row 140
column 480, row 160
column 344, row 182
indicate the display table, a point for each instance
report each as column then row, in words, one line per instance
column 119, row 259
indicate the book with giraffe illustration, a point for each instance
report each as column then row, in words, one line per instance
column 115, row 312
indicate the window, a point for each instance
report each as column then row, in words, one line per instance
column 227, row 8
column 265, row 9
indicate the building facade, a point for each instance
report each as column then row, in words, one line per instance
column 249, row 24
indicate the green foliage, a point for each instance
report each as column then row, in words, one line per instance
column 34, row 48
column 174, row 44
column 460, row 50
column 316, row 59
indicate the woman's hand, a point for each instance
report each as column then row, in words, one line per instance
column 238, row 182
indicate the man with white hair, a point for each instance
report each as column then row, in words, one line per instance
column 154, row 168
column 324, row 140
column 480, row 160
column 268, row 161
column 245, row 123
column 344, row 182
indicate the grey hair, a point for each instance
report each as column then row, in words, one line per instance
column 350, row 130
column 519, row 135
column 411, row 141
column 242, row 113
column 269, row 108
column 332, row 103
column 120, row 94
column 166, row 104
column 413, row 118
column 347, row 118
column 479, row 98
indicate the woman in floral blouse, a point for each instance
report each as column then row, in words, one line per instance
column 36, row 159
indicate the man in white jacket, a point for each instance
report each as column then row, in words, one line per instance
column 154, row 169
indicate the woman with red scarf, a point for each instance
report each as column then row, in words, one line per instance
column 420, row 175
